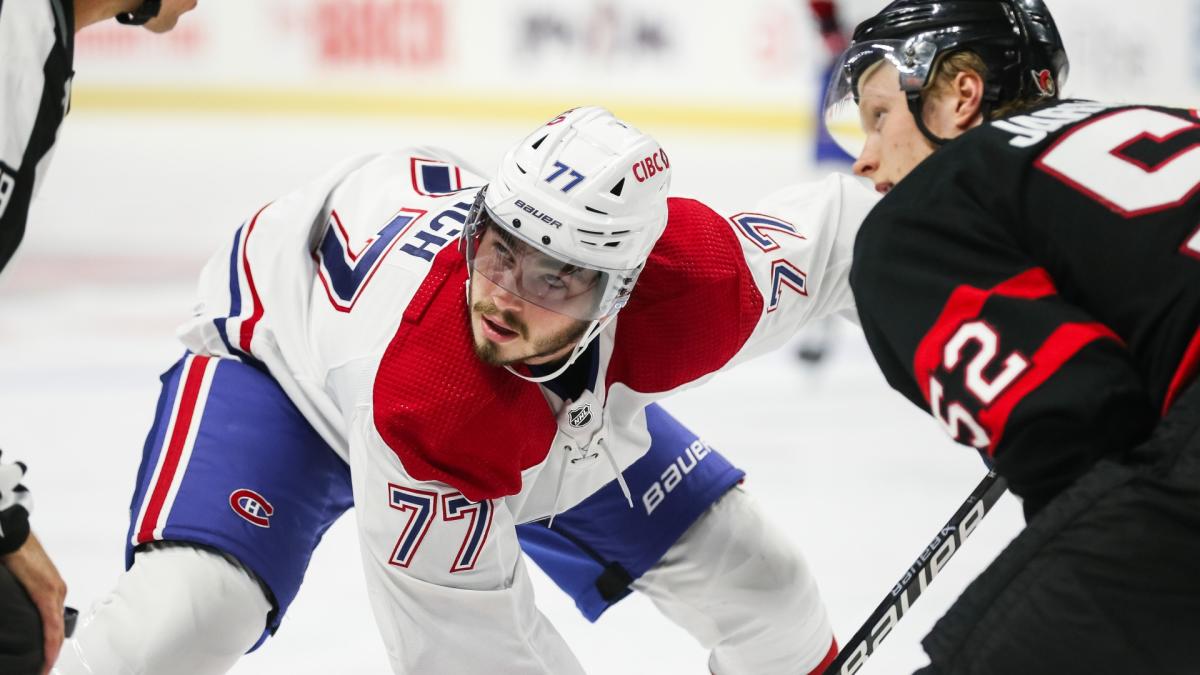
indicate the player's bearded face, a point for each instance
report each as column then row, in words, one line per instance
column 894, row 145
column 507, row 330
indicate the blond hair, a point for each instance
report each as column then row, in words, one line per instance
column 952, row 64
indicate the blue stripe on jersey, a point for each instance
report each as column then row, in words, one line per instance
column 478, row 532
column 235, row 294
column 436, row 178
column 235, row 303
column 346, row 278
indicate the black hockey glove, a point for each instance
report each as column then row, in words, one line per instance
column 15, row 505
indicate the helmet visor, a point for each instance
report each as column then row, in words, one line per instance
column 507, row 259
column 912, row 58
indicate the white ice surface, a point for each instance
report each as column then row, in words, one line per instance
column 859, row 478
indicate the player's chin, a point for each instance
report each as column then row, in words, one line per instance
column 492, row 353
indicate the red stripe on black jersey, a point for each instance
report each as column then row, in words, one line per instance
column 1064, row 343
column 1189, row 366
column 1191, row 246
column 965, row 304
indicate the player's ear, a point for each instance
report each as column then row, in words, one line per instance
column 968, row 93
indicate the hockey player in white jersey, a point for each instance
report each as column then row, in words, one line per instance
column 475, row 369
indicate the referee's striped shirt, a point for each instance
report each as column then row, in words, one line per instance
column 37, row 46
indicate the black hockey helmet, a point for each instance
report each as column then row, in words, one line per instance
column 1016, row 39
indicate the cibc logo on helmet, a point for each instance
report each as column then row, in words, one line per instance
column 646, row 168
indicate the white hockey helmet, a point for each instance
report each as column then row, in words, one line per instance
column 586, row 195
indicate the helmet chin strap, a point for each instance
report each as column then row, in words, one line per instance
column 595, row 328
column 917, row 109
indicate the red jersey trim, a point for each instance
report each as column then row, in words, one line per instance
column 417, row 182
column 830, row 657
column 247, row 332
column 965, row 304
column 1064, row 343
column 1189, row 367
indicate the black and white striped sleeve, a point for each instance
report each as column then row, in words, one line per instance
column 36, row 53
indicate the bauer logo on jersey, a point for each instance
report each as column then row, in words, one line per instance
column 675, row 472
column 251, row 506
column 1044, row 81
column 579, row 417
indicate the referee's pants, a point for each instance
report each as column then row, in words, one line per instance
column 1105, row 579
column 20, row 629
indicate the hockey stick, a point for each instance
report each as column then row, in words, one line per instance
column 927, row 565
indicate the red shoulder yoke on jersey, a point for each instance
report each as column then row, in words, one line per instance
column 447, row 415
column 694, row 306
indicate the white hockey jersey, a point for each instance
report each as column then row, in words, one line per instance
column 350, row 291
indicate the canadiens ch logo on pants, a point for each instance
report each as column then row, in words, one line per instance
column 227, row 452
column 252, row 506
column 175, row 454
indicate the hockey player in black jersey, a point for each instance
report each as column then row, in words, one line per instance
column 1032, row 280
column 37, row 52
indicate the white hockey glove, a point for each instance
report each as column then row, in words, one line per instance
column 15, row 505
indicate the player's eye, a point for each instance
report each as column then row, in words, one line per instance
column 553, row 282
column 871, row 115
column 878, row 113
column 504, row 257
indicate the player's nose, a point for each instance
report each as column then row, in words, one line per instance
column 505, row 299
column 866, row 164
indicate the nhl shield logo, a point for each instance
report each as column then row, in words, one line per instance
column 579, row 417
column 252, row 507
